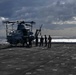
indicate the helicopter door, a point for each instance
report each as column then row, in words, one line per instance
column 20, row 27
column 24, row 31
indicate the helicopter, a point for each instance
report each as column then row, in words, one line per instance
column 23, row 34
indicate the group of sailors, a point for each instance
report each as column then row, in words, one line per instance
column 44, row 41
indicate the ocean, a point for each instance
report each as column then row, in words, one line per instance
column 64, row 40
column 4, row 41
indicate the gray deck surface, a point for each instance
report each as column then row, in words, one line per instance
column 58, row 60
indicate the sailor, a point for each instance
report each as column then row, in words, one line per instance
column 49, row 41
column 30, row 42
column 45, row 40
column 41, row 41
column 36, row 41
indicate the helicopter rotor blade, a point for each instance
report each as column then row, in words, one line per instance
column 8, row 22
column 5, row 21
column 31, row 22
column 27, row 23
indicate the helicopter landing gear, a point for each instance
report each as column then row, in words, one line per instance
column 23, row 44
column 13, row 45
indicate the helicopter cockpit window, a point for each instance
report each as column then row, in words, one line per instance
column 24, row 32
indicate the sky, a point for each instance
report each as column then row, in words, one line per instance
column 57, row 16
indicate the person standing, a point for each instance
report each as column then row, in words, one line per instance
column 45, row 40
column 41, row 41
column 36, row 44
column 30, row 42
column 49, row 41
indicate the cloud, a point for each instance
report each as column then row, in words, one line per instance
column 54, row 14
column 44, row 11
column 6, row 8
column 2, row 26
column 65, row 32
column 2, row 33
column 65, row 22
column 3, row 19
column 47, row 12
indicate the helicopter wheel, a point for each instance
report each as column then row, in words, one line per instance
column 15, row 45
column 23, row 44
column 11, row 44
column 27, row 45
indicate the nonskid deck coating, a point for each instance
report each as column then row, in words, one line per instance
column 58, row 60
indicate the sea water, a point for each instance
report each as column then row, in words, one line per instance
column 64, row 40
column 4, row 41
